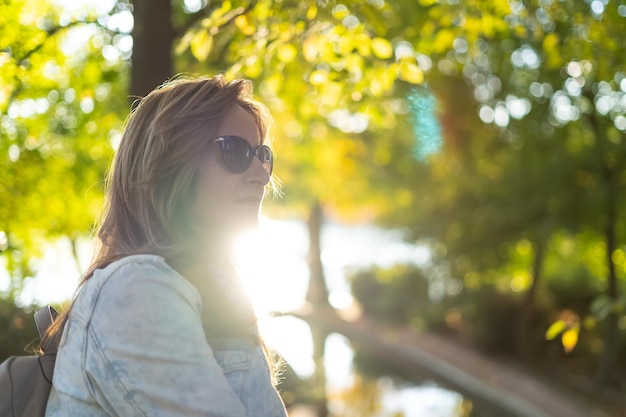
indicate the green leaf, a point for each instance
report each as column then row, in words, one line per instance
column 201, row 45
column 601, row 306
column 183, row 45
column 555, row 329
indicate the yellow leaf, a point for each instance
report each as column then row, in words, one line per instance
column 221, row 12
column 286, row 52
column 340, row 12
column 330, row 93
column 241, row 21
column 354, row 63
column 487, row 24
column 411, row 73
column 91, row 72
column 519, row 30
column 376, row 87
column 309, row 48
column 201, row 45
column 252, row 68
column 362, row 42
column 570, row 339
column 234, row 71
column 273, row 83
column 208, row 22
column 443, row 41
column 551, row 49
column 382, row 48
column 555, row 329
column 244, row 26
column 311, row 13
column 318, row 77
column 346, row 45
column 550, row 41
column 387, row 76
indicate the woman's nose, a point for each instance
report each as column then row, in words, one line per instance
column 257, row 173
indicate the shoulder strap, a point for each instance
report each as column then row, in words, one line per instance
column 44, row 318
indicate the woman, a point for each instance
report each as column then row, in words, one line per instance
column 160, row 325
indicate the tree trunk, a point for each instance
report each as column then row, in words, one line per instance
column 318, row 291
column 317, row 295
column 523, row 342
column 319, row 341
column 608, row 357
column 153, row 38
column 612, row 336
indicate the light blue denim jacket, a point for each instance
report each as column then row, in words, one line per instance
column 134, row 345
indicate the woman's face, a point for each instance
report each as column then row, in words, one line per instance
column 228, row 203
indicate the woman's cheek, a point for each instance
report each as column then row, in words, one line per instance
column 206, row 206
column 221, row 205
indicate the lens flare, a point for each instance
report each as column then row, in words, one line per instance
column 426, row 127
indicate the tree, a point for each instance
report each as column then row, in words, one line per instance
column 153, row 38
column 555, row 104
column 60, row 111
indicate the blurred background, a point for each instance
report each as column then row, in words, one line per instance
column 451, row 239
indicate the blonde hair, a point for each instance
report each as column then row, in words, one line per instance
column 154, row 169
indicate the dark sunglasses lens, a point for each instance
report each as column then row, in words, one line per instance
column 267, row 159
column 237, row 153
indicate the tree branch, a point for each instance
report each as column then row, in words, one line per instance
column 53, row 31
column 22, row 61
column 199, row 16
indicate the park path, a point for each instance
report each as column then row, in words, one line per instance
column 484, row 379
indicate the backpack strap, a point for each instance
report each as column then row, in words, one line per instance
column 44, row 319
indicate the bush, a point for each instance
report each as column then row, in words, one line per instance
column 18, row 333
column 398, row 295
column 491, row 317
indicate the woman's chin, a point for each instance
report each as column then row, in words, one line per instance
column 245, row 224
column 245, row 216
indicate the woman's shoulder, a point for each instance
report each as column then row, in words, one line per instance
column 141, row 270
column 136, row 282
column 136, row 263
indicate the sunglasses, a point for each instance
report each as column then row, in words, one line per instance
column 238, row 153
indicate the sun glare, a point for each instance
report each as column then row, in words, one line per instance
column 273, row 269
column 272, row 266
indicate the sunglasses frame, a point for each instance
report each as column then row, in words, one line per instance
column 252, row 152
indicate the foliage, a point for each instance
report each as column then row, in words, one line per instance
column 553, row 161
column 19, row 333
column 398, row 294
column 61, row 104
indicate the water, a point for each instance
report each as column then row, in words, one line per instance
column 349, row 392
